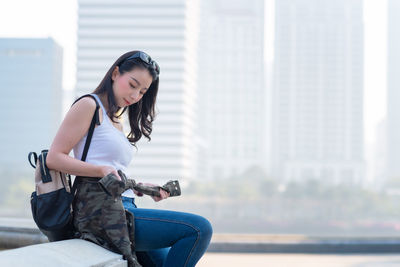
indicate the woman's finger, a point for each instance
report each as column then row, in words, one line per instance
column 164, row 194
column 117, row 175
column 156, row 199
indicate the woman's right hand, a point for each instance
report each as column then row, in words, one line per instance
column 105, row 170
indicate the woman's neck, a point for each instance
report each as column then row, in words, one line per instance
column 104, row 101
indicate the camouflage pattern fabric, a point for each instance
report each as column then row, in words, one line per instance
column 100, row 217
column 172, row 187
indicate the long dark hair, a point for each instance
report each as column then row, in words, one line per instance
column 141, row 114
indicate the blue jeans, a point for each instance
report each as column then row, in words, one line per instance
column 168, row 238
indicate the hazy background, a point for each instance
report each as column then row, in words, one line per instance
column 277, row 117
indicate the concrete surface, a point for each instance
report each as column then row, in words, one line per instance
column 71, row 253
column 263, row 250
column 298, row 260
column 15, row 237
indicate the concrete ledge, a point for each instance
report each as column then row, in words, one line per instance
column 16, row 237
column 323, row 248
column 74, row 252
column 303, row 244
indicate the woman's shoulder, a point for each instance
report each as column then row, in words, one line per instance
column 82, row 110
column 85, row 103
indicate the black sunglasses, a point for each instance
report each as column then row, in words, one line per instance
column 146, row 59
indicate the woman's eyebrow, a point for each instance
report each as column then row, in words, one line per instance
column 139, row 83
column 135, row 80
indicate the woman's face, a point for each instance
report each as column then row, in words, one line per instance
column 130, row 87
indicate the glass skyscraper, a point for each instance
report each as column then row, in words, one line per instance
column 166, row 30
column 31, row 100
column 317, row 118
column 231, row 92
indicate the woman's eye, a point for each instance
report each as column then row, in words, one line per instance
column 132, row 86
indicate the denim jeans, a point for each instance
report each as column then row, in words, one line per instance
column 168, row 238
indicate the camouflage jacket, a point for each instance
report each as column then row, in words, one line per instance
column 100, row 217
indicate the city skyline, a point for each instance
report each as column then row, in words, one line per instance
column 330, row 60
column 375, row 110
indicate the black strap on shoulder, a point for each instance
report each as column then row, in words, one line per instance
column 96, row 112
column 95, row 120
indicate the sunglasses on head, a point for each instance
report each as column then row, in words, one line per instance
column 146, row 59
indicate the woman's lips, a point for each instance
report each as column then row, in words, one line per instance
column 127, row 102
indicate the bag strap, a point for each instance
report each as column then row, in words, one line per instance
column 35, row 157
column 95, row 120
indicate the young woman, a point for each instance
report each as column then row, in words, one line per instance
column 163, row 238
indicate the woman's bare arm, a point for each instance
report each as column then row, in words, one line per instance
column 73, row 128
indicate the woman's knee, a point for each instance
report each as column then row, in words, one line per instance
column 204, row 227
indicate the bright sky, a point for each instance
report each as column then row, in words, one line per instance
column 375, row 64
column 44, row 18
column 58, row 19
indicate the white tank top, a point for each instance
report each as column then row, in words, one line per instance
column 109, row 146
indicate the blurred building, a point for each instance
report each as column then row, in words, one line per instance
column 231, row 92
column 167, row 30
column 378, row 160
column 317, row 120
column 31, row 100
column 393, row 91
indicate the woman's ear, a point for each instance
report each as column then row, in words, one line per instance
column 115, row 73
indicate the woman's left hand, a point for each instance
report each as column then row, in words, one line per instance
column 163, row 195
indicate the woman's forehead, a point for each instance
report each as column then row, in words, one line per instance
column 141, row 76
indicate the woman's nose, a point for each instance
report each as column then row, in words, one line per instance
column 135, row 95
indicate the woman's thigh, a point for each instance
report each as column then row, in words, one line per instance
column 185, row 235
column 156, row 229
